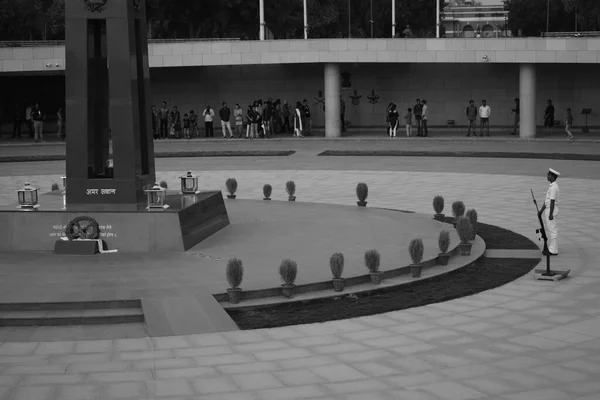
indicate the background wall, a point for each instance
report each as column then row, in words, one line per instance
column 447, row 88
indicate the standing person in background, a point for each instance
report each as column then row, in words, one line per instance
column 225, row 115
column 471, row 118
column 387, row 119
column 549, row 116
column 286, row 117
column 425, row 115
column 517, row 111
column 343, row 112
column 298, row 126
column 60, row 123
column 268, row 119
column 28, row 120
column 393, row 121
column 208, row 114
column 17, row 122
column 164, row 120
column 193, row 124
column 186, row 126
column 569, row 123
column 238, row 115
column 408, row 122
column 484, row 117
column 154, row 114
column 307, row 119
column 176, row 122
column 38, row 123
column 249, row 119
column 418, row 113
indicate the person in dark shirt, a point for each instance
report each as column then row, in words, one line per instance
column 176, row 122
column 38, row 123
column 471, row 118
column 268, row 119
column 193, row 124
column 186, row 126
column 17, row 122
column 517, row 111
column 154, row 113
column 307, row 124
column 418, row 113
column 225, row 115
column 549, row 116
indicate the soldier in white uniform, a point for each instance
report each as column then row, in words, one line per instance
column 550, row 211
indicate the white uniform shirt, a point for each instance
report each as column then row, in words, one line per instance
column 485, row 111
column 208, row 116
column 552, row 194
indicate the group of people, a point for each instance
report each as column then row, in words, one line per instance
column 420, row 111
column 261, row 119
column 34, row 121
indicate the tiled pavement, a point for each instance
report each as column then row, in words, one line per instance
column 528, row 340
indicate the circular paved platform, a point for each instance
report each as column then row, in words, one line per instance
column 261, row 234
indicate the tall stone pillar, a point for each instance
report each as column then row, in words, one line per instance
column 527, row 100
column 333, row 123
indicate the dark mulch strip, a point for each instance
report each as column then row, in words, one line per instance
column 484, row 274
column 496, row 237
column 174, row 154
column 477, row 154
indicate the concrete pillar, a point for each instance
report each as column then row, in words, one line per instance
column 261, row 13
column 527, row 100
column 333, row 124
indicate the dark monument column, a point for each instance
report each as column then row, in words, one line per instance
column 107, row 96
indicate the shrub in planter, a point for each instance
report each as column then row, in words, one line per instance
column 235, row 273
column 290, row 188
column 267, row 190
column 458, row 210
column 372, row 261
column 465, row 231
column 444, row 244
column 415, row 248
column 288, row 270
column 55, row 187
column 472, row 215
column 362, row 191
column 232, row 186
column 336, row 263
column 438, row 207
column 163, row 184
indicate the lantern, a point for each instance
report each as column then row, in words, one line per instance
column 28, row 198
column 189, row 183
column 64, row 179
column 156, row 197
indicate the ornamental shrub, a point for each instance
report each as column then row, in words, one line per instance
column 415, row 248
column 336, row 263
column 267, row 190
column 235, row 272
column 458, row 209
column 444, row 241
column 438, row 204
column 372, row 260
column 362, row 191
column 464, row 229
column 290, row 188
column 288, row 270
column 231, row 185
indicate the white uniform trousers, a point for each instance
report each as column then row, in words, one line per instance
column 551, row 230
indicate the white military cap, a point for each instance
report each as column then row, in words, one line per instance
column 553, row 171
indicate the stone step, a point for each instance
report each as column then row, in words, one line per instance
column 72, row 313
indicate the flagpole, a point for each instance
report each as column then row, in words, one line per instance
column 393, row 18
column 437, row 19
column 261, row 7
column 305, row 21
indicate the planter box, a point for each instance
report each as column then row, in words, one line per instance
column 292, row 198
column 76, row 247
column 416, row 270
column 234, row 295
column 439, row 217
column 361, row 203
column 231, row 196
column 376, row 277
column 443, row 258
column 465, row 249
column 338, row 284
column 288, row 291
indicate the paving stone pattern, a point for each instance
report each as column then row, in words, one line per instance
column 527, row 340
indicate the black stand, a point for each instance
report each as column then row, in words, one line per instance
column 586, row 112
column 547, row 274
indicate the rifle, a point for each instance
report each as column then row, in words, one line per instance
column 542, row 230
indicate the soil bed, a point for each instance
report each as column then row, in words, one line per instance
column 484, row 274
column 470, row 154
column 496, row 237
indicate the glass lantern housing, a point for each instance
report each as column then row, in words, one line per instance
column 189, row 183
column 28, row 197
column 156, row 197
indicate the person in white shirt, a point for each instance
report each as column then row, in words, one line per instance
column 425, row 115
column 484, row 117
column 549, row 211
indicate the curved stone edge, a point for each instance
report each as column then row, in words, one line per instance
column 357, row 284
